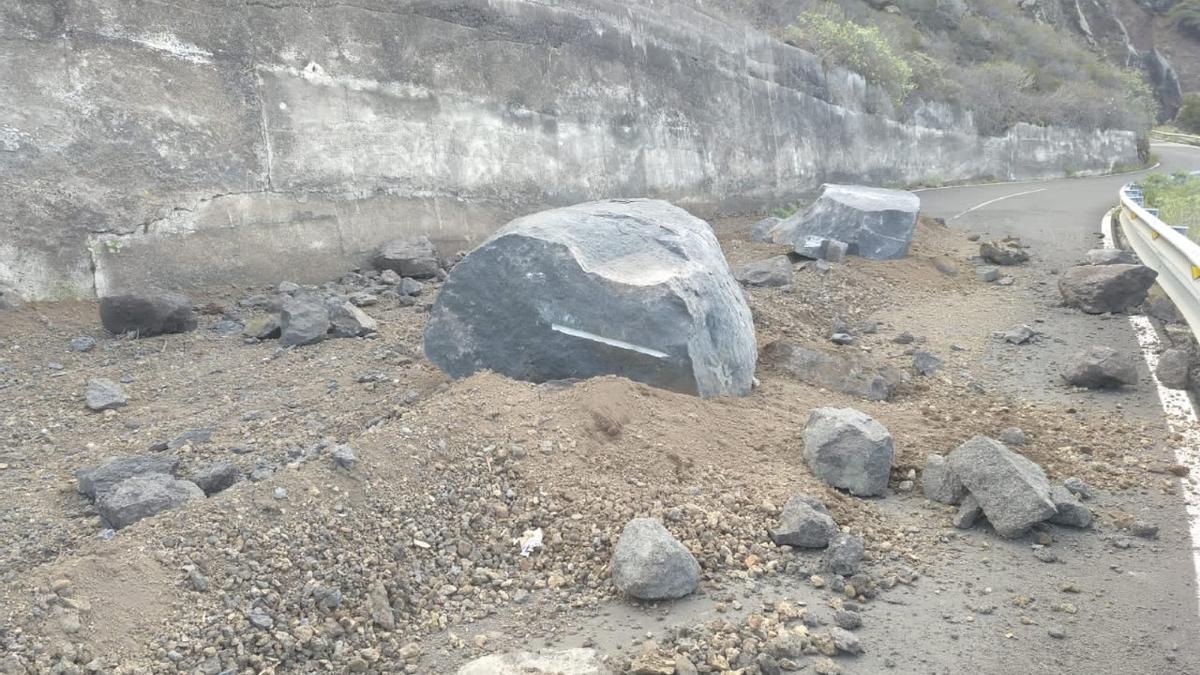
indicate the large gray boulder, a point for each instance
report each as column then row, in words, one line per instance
column 631, row 287
column 98, row 480
column 1100, row 368
column 1097, row 289
column 848, row 449
column 303, row 320
column 852, row 373
column 579, row 661
column 650, row 564
column 876, row 223
column 804, row 523
column 413, row 257
column 1012, row 491
column 147, row 313
column 143, row 496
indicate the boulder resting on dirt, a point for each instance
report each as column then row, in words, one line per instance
column 578, row 661
column 649, row 563
column 851, row 373
column 143, row 496
column 848, row 449
column 1100, row 368
column 1097, row 289
column 804, row 523
column 216, row 477
column 148, row 313
column 1012, row 491
column 875, row 223
column 413, row 257
column 631, row 287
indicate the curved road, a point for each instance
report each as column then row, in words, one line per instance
column 1137, row 608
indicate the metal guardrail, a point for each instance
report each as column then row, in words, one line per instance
column 1165, row 250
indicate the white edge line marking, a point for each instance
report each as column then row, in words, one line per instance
column 1181, row 419
column 997, row 199
column 619, row 344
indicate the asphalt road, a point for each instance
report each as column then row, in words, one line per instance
column 1138, row 611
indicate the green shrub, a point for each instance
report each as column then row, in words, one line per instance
column 1188, row 118
column 842, row 43
column 1185, row 16
column 1177, row 198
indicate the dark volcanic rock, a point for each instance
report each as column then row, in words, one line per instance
column 143, row 496
column 1097, row 289
column 147, row 314
column 96, row 481
column 415, row 257
column 636, row 287
column 1101, row 368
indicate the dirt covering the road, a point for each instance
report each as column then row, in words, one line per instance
column 383, row 567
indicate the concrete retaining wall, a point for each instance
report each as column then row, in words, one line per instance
column 189, row 142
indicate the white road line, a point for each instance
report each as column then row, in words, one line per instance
column 1181, row 419
column 993, row 201
column 1043, row 180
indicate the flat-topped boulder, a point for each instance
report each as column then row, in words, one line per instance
column 1097, row 289
column 630, row 287
column 874, row 222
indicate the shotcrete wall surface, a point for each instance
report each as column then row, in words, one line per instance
column 187, row 142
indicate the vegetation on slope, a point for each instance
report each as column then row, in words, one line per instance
column 987, row 57
column 1177, row 198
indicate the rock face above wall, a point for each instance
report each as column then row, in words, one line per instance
column 183, row 143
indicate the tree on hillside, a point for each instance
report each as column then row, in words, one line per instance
column 1188, row 118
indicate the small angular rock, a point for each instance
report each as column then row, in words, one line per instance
column 414, row 257
column 1068, row 509
column 1097, row 289
column 104, row 394
column 1174, row 368
column 1012, row 491
column 577, row 661
column 772, row 272
column 848, row 449
column 844, row 554
column 85, row 343
column 1012, row 436
column 939, row 483
column 1005, row 252
column 926, row 363
column 216, row 477
column 650, row 564
column 98, row 480
column 1101, row 368
column 303, row 320
column 347, row 321
column 143, row 496
column 804, row 523
column 968, row 512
